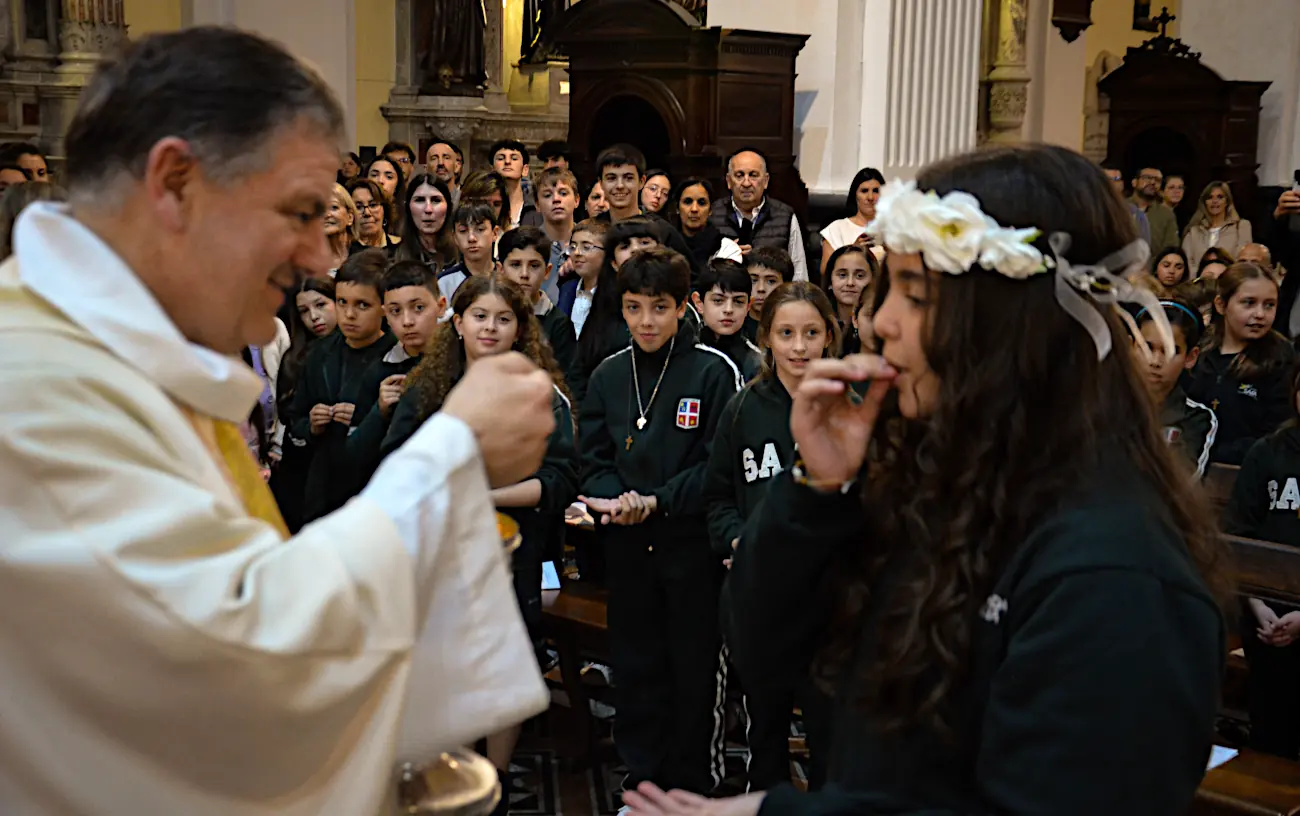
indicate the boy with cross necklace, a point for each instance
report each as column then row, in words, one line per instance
column 645, row 427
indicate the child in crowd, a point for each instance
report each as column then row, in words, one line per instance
column 1187, row 425
column 557, row 199
column 314, row 317
column 324, row 409
column 1245, row 368
column 751, row 446
column 851, row 270
column 768, row 268
column 1264, row 505
column 476, row 237
column 510, row 160
column 606, row 331
column 413, row 305
column 992, row 562
column 645, row 430
column 492, row 316
column 586, row 260
column 721, row 300
column 862, row 339
column 524, row 255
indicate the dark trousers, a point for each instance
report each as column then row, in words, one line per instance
column 666, row 653
column 1273, row 689
column 768, row 735
column 526, row 566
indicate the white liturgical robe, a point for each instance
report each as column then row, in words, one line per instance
column 161, row 651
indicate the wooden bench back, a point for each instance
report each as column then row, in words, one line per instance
column 1218, row 482
column 1265, row 569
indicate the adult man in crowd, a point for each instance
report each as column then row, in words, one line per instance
column 401, row 154
column 1148, row 198
column 750, row 218
column 1116, row 178
column 445, row 160
column 168, row 648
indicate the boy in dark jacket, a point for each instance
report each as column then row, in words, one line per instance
column 768, row 268
column 525, row 253
column 645, row 430
column 413, row 306
column 333, row 380
column 1189, row 426
column 722, row 301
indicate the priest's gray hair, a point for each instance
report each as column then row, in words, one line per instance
column 225, row 92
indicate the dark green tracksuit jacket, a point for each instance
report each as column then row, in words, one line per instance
column 540, row 527
column 334, row 372
column 1094, row 664
column 558, row 330
column 362, row 450
column 1190, row 428
column 1246, row 411
column 738, row 348
column 664, row 579
column 751, row 447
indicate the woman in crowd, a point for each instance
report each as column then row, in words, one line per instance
column 349, row 167
column 859, row 208
column 388, row 175
column 1244, row 370
column 694, row 200
column 1215, row 224
column 373, row 225
column 342, row 226
column 976, row 557
column 654, row 195
column 596, row 203
column 316, row 318
column 1169, row 273
column 427, row 233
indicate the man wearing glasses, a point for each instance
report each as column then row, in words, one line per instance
column 1148, row 199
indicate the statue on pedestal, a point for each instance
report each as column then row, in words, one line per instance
column 449, row 49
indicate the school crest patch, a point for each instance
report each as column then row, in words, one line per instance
column 688, row 414
column 1248, row 390
column 1172, row 434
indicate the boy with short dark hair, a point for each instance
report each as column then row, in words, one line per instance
column 413, row 305
column 510, row 159
column 621, row 174
column 645, row 429
column 585, row 259
column 476, row 235
column 768, row 268
column 325, row 405
column 722, row 300
column 554, row 153
column 524, row 260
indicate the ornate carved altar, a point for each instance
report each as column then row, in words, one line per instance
column 646, row 72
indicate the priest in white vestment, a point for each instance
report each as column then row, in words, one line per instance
column 165, row 648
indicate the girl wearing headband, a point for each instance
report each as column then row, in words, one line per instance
column 1244, row 371
column 991, row 560
column 1187, row 425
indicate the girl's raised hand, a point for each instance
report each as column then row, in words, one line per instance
column 830, row 425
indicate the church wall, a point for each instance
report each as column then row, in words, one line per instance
column 1112, row 27
column 1259, row 40
column 1054, row 108
column 151, row 16
column 376, row 58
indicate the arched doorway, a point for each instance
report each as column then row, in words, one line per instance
column 632, row 120
column 1165, row 148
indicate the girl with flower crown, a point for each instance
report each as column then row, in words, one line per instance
column 997, row 568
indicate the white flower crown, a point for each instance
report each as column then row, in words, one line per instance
column 953, row 234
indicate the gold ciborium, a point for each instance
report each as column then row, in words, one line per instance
column 458, row 783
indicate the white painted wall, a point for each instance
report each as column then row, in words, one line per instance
column 1255, row 40
column 319, row 32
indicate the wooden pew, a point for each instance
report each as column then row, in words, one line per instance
column 1254, row 784
column 1218, row 482
column 574, row 618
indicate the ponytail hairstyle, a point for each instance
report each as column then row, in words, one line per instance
column 1261, row 357
column 300, row 340
column 443, row 363
column 796, row 292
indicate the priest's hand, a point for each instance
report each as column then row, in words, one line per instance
column 506, row 401
column 831, row 426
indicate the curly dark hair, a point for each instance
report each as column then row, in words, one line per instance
column 443, row 363
column 1024, row 412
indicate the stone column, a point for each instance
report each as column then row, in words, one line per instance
column 494, row 95
column 1008, row 82
column 88, row 30
column 933, row 83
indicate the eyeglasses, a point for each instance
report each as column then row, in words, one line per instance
column 374, row 205
column 584, row 247
column 1149, row 177
column 400, row 159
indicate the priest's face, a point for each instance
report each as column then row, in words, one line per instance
column 230, row 248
